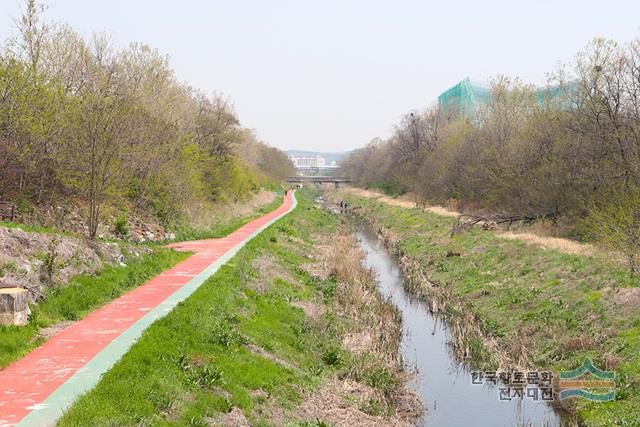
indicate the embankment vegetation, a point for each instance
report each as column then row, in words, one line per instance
column 61, row 306
column 290, row 332
column 89, row 128
column 511, row 303
column 77, row 283
column 569, row 154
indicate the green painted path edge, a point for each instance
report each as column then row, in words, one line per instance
column 87, row 377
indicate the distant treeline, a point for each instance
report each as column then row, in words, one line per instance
column 574, row 157
column 80, row 119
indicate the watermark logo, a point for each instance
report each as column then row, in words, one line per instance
column 587, row 382
column 534, row 385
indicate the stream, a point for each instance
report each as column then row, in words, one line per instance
column 444, row 384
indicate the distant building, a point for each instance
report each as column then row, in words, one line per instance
column 464, row 98
column 308, row 161
column 467, row 96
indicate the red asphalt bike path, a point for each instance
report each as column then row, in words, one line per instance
column 26, row 384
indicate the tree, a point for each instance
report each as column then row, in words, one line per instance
column 99, row 128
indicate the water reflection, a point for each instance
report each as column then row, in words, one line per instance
column 443, row 383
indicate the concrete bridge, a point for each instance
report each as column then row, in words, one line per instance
column 318, row 180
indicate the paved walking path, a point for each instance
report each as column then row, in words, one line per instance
column 35, row 390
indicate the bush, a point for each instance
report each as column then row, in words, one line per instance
column 121, row 226
column 615, row 222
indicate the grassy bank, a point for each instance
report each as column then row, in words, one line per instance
column 545, row 308
column 186, row 232
column 269, row 338
column 81, row 295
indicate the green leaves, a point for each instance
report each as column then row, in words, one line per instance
column 82, row 121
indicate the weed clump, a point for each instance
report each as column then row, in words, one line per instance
column 332, row 357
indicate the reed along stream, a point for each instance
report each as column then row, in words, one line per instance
column 443, row 383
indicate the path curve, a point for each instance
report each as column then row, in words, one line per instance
column 35, row 390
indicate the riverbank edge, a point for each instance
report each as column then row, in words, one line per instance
column 469, row 340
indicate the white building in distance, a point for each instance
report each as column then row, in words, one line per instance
column 308, row 161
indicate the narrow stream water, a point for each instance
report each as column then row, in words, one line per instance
column 443, row 384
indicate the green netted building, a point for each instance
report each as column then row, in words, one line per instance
column 467, row 96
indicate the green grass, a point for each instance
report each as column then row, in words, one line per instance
column 538, row 297
column 185, row 232
column 35, row 228
column 83, row 294
column 197, row 363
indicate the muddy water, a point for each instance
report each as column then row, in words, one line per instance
column 443, row 384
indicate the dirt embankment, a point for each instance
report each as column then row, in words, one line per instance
column 35, row 261
column 408, row 202
column 140, row 226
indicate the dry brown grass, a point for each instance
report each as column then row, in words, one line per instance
column 359, row 299
column 319, row 270
column 234, row 418
column 310, row 309
column 404, row 201
column 268, row 270
column 357, row 342
column 559, row 244
column 626, row 300
column 374, row 333
column 341, row 404
column 202, row 216
column 562, row 245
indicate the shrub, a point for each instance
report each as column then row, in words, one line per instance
column 332, row 356
column 121, row 226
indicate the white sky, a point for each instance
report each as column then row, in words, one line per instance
column 329, row 75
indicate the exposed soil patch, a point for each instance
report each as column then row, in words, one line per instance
column 357, row 342
column 264, row 265
column 439, row 210
column 268, row 270
column 318, row 270
column 234, row 418
column 52, row 330
column 344, row 403
column 272, row 357
column 626, row 299
column 310, row 309
column 402, row 201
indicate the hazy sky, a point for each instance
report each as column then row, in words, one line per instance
column 331, row 75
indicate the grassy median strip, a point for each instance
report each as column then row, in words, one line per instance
column 255, row 341
column 549, row 309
